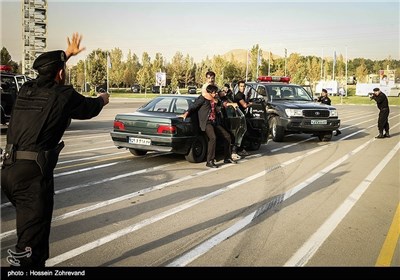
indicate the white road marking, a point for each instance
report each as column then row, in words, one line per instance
column 307, row 251
column 210, row 243
column 84, row 248
column 207, row 245
column 264, row 172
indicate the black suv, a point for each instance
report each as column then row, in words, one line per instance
column 10, row 85
column 136, row 88
column 291, row 109
column 192, row 90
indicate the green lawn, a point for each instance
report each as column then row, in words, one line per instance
column 335, row 99
column 361, row 100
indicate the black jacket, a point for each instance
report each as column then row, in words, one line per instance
column 42, row 113
column 324, row 100
column 381, row 101
column 203, row 107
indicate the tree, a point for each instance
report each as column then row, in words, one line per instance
column 97, row 71
column 362, row 72
column 144, row 74
column 218, row 64
column 188, row 70
column 296, row 68
column 255, row 61
column 313, row 70
column 79, row 71
column 5, row 59
column 177, row 67
column 132, row 67
column 174, row 83
column 116, row 72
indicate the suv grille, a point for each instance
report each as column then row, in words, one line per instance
column 316, row 113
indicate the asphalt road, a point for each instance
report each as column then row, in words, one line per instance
column 296, row 203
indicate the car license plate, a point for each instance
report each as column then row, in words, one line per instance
column 139, row 141
column 319, row 122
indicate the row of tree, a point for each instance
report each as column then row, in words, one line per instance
column 182, row 71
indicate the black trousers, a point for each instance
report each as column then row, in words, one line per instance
column 383, row 123
column 212, row 131
column 32, row 194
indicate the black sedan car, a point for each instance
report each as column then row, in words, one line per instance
column 157, row 126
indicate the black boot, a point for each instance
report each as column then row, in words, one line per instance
column 380, row 136
column 387, row 135
column 229, row 160
column 211, row 164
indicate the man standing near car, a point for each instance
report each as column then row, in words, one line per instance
column 243, row 104
column 383, row 106
column 205, row 106
column 42, row 112
column 210, row 80
column 324, row 99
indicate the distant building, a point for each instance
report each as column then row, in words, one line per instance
column 34, row 32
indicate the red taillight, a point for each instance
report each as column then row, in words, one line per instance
column 5, row 68
column 119, row 125
column 274, row 79
column 166, row 129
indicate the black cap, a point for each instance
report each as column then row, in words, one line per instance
column 376, row 89
column 324, row 90
column 48, row 58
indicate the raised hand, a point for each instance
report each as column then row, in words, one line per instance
column 73, row 47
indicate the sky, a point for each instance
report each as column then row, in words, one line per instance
column 360, row 29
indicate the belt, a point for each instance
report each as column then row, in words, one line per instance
column 26, row 155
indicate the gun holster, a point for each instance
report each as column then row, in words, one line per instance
column 8, row 157
column 47, row 160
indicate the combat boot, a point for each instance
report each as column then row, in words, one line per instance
column 387, row 135
column 380, row 136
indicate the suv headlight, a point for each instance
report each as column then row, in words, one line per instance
column 333, row 113
column 294, row 112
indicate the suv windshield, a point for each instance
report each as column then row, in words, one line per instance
column 285, row 92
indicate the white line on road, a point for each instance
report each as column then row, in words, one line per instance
column 207, row 245
column 307, row 251
column 210, row 243
column 84, row 248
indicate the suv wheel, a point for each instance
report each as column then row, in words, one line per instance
column 277, row 131
column 325, row 136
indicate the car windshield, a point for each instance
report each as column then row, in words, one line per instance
column 287, row 92
column 8, row 84
column 168, row 104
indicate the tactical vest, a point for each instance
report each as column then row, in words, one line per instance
column 30, row 112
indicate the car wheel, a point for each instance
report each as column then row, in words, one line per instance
column 197, row 151
column 325, row 136
column 277, row 132
column 136, row 152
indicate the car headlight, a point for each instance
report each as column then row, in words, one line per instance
column 294, row 112
column 333, row 113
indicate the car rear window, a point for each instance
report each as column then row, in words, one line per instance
column 168, row 105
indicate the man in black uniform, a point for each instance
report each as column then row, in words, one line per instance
column 324, row 99
column 383, row 106
column 41, row 114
